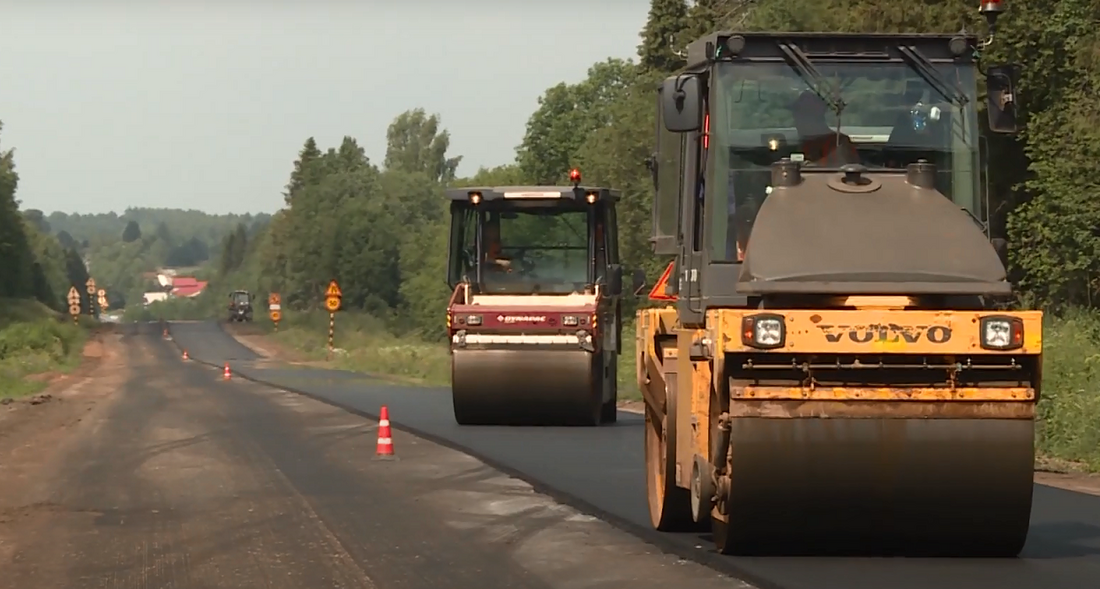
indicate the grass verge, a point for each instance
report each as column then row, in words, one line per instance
column 35, row 342
column 363, row 344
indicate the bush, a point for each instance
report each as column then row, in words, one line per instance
column 34, row 340
column 1069, row 409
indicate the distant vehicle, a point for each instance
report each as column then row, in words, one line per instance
column 535, row 315
column 240, row 305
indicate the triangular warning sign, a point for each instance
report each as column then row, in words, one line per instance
column 658, row 292
column 333, row 290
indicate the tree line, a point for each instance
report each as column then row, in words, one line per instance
column 42, row 256
column 381, row 229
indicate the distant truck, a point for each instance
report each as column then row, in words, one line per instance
column 240, row 306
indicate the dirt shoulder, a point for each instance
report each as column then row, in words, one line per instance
column 37, row 430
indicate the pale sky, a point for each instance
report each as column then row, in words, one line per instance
column 111, row 104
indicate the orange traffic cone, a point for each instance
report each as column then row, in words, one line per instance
column 185, row 357
column 227, row 375
column 385, row 439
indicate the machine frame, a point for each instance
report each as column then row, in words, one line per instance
column 736, row 427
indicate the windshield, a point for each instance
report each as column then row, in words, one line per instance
column 240, row 298
column 535, row 250
column 890, row 116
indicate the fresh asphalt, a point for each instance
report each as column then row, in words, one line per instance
column 601, row 471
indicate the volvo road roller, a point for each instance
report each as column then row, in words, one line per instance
column 841, row 371
column 534, row 318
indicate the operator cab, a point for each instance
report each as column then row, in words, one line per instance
column 534, row 240
column 750, row 105
column 241, row 298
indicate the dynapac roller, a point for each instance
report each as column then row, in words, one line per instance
column 535, row 316
column 835, row 375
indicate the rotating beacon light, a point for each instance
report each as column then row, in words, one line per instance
column 991, row 9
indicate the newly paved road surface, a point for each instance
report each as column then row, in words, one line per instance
column 187, row 480
column 603, row 469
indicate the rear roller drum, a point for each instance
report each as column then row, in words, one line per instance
column 878, row 487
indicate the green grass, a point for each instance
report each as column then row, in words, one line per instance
column 1069, row 409
column 363, row 344
column 34, row 339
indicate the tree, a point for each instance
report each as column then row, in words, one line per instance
column 66, row 240
column 16, row 272
column 132, row 232
column 668, row 19
column 415, row 143
column 566, row 117
column 302, row 170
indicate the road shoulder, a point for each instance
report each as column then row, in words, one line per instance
column 35, row 432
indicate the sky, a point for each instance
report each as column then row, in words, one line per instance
column 111, row 104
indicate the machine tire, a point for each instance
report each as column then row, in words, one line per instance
column 669, row 505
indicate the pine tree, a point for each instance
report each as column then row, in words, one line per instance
column 667, row 21
column 302, row 167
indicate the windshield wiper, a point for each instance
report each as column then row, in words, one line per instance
column 927, row 70
column 821, row 85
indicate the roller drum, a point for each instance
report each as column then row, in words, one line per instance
column 525, row 387
column 902, row 487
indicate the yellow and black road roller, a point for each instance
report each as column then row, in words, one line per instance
column 839, row 373
column 534, row 317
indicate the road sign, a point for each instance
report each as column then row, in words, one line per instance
column 658, row 292
column 74, row 309
column 74, row 296
column 276, row 316
column 275, row 307
column 91, row 286
column 274, row 300
column 333, row 291
column 332, row 304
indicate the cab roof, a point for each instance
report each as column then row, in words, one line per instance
column 527, row 193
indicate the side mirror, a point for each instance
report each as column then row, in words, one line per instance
column 682, row 103
column 639, row 281
column 1001, row 102
column 616, row 280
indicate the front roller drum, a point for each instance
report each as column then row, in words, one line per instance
column 878, row 487
column 526, row 387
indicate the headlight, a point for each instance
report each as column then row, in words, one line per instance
column 1002, row 333
column 472, row 320
column 765, row 331
column 569, row 321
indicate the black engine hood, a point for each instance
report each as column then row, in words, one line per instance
column 889, row 238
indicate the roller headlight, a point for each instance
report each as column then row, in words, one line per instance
column 764, row 331
column 1002, row 333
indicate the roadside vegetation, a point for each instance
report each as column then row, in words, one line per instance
column 35, row 341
